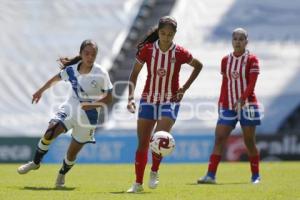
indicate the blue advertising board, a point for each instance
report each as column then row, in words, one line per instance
column 121, row 149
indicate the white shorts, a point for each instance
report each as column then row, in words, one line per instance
column 83, row 132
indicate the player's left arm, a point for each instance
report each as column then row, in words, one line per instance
column 253, row 75
column 105, row 101
column 107, row 96
column 197, row 67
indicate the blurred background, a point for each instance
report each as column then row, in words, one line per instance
column 35, row 33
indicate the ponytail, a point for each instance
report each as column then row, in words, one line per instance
column 64, row 62
column 151, row 37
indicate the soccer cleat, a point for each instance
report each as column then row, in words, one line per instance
column 255, row 179
column 60, row 181
column 153, row 181
column 136, row 188
column 206, row 180
column 23, row 169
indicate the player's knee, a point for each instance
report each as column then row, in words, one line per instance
column 143, row 143
column 52, row 131
column 143, row 147
column 220, row 140
column 49, row 135
column 249, row 143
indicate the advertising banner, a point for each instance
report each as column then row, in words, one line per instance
column 121, row 149
column 271, row 147
column 17, row 149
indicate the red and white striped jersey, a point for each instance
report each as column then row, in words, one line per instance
column 163, row 71
column 236, row 72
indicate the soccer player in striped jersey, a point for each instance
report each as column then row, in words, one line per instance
column 162, row 93
column 91, row 90
column 237, row 102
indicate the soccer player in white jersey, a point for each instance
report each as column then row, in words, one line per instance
column 237, row 102
column 162, row 93
column 91, row 90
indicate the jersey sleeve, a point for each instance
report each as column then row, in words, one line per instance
column 223, row 65
column 185, row 56
column 142, row 54
column 254, row 65
column 253, row 75
column 107, row 86
column 64, row 75
column 250, row 87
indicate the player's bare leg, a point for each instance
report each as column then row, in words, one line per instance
column 221, row 135
column 144, row 130
column 68, row 162
column 54, row 129
column 164, row 124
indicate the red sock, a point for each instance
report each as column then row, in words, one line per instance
column 213, row 164
column 141, row 158
column 254, row 164
column 156, row 159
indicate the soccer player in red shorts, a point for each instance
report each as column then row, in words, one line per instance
column 237, row 102
column 162, row 94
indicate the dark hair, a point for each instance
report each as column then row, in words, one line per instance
column 71, row 61
column 152, row 35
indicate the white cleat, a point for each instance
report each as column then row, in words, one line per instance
column 206, row 180
column 60, row 181
column 153, row 181
column 24, row 169
column 136, row 188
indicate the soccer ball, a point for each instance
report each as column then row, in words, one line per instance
column 162, row 143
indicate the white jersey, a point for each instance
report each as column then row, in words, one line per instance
column 85, row 88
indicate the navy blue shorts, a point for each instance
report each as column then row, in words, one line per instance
column 156, row 111
column 249, row 116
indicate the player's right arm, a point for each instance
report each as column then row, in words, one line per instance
column 38, row 94
column 131, row 85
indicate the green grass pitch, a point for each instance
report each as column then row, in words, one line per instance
column 280, row 180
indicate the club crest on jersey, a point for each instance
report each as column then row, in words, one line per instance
column 161, row 72
column 94, row 83
column 235, row 74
